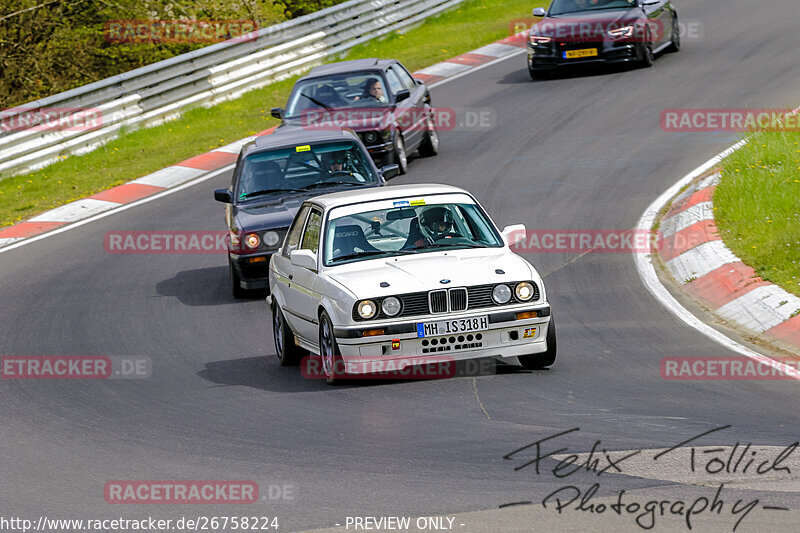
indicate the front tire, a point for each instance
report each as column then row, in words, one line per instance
column 675, row 40
column 647, row 54
column 236, row 287
column 547, row 358
column 287, row 351
column 400, row 155
column 332, row 362
column 430, row 144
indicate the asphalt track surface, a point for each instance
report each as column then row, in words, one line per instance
column 576, row 152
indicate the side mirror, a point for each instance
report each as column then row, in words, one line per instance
column 418, row 81
column 539, row 12
column 223, row 195
column 304, row 259
column 277, row 112
column 402, row 95
column 390, row 171
column 513, row 234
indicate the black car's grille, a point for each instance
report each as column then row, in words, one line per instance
column 436, row 302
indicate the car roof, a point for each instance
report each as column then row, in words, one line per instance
column 287, row 136
column 411, row 192
column 348, row 66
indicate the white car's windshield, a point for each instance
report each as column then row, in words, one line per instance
column 303, row 168
column 406, row 229
column 559, row 7
column 355, row 89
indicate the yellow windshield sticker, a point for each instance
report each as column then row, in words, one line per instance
column 415, row 203
column 304, row 148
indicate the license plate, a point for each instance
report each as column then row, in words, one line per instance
column 577, row 54
column 450, row 327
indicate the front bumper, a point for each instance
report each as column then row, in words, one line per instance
column 252, row 269
column 506, row 338
column 551, row 56
column 382, row 154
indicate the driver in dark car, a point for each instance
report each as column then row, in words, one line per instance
column 338, row 166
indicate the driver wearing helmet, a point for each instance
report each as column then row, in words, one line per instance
column 437, row 223
column 339, row 165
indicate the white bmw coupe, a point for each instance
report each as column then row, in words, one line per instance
column 405, row 276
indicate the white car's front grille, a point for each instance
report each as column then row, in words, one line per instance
column 441, row 301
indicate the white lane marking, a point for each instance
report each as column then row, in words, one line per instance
column 76, row 210
column 5, row 242
column 647, row 272
column 762, row 308
column 170, row 176
column 476, row 69
column 701, row 260
column 496, row 50
column 444, row 69
column 687, row 217
column 235, row 147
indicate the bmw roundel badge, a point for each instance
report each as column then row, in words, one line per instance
column 444, row 281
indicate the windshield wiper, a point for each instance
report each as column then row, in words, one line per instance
column 328, row 183
column 374, row 252
column 269, row 191
column 329, row 108
column 445, row 245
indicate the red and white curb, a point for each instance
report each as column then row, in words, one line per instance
column 694, row 253
column 211, row 162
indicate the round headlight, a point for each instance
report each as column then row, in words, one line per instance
column 252, row 240
column 271, row 238
column 370, row 137
column 367, row 309
column 390, row 306
column 524, row 291
column 501, row 294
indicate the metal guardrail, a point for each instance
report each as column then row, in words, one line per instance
column 153, row 94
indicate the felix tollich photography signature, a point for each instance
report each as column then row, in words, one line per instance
column 712, row 463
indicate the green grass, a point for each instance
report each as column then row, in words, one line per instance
column 757, row 206
column 137, row 153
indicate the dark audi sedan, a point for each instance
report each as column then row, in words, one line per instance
column 585, row 32
column 377, row 98
column 274, row 175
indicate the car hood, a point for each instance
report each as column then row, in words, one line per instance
column 426, row 271
column 354, row 118
column 585, row 24
column 276, row 213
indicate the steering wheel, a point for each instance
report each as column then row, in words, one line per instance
column 445, row 235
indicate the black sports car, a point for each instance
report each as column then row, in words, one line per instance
column 377, row 98
column 581, row 32
column 274, row 175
